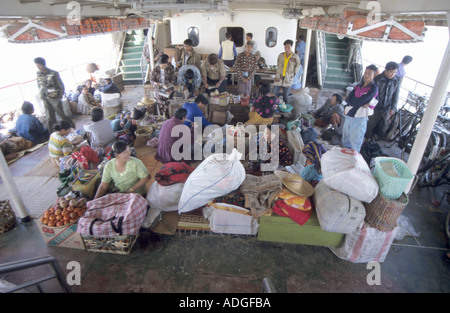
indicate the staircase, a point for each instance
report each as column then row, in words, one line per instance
column 130, row 64
column 337, row 56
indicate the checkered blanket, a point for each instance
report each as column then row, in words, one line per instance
column 115, row 214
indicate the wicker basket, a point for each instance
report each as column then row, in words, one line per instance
column 392, row 175
column 142, row 135
column 7, row 217
column 382, row 213
column 109, row 111
column 115, row 245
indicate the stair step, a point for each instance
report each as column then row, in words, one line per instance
column 130, row 68
column 136, row 49
column 339, row 71
column 132, row 75
column 336, row 58
column 134, row 38
column 131, row 55
column 337, row 51
column 131, row 62
column 135, row 43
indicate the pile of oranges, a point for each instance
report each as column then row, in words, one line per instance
column 64, row 212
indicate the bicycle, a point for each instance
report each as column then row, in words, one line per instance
column 437, row 173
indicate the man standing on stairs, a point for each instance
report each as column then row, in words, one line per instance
column 388, row 84
column 51, row 90
column 188, row 56
column 300, row 49
column 353, row 46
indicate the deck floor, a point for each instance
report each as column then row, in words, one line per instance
column 205, row 263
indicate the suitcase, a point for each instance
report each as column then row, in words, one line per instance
column 337, row 212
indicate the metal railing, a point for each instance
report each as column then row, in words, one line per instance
column 321, row 56
column 57, row 273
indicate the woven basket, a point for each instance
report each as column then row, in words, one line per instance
column 112, row 110
column 392, row 175
column 7, row 217
column 382, row 213
column 115, row 245
column 142, row 135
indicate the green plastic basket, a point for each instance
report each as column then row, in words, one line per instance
column 392, row 175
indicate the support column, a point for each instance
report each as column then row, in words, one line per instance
column 8, row 181
column 307, row 47
column 432, row 110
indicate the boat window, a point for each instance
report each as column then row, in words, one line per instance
column 237, row 35
column 271, row 37
column 192, row 34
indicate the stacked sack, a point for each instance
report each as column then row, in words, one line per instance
column 169, row 180
column 341, row 200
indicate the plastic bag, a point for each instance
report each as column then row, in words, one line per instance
column 405, row 228
column 216, row 176
column 345, row 170
column 301, row 103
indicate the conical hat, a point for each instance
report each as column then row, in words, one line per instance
column 295, row 183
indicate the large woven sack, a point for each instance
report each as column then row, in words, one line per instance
column 301, row 103
column 366, row 244
column 165, row 198
column 345, row 170
column 216, row 176
column 337, row 212
column 115, row 214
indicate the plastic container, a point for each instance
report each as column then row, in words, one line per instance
column 392, row 175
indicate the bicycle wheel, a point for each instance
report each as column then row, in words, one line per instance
column 431, row 151
column 447, row 224
column 435, row 176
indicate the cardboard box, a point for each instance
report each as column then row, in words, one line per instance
column 64, row 236
column 276, row 228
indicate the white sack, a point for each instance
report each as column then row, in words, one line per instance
column 237, row 221
column 216, row 176
column 164, row 198
column 346, row 171
column 301, row 103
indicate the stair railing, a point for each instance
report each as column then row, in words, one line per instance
column 121, row 39
column 358, row 70
column 321, row 57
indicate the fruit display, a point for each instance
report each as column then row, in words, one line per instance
column 64, row 212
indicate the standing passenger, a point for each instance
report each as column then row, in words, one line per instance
column 51, row 90
column 355, row 127
column 246, row 68
column 228, row 53
column 288, row 65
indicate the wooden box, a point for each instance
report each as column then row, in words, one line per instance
column 276, row 228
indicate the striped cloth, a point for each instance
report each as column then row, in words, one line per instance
column 126, row 211
column 59, row 146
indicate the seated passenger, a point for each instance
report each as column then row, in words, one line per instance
column 86, row 101
column 190, row 78
column 213, row 74
column 194, row 109
column 109, row 87
column 166, row 141
column 122, row 124
column 123, row 173
column 29, row 127
column 100, row 130
column 281, row 149
column 59, row 146
column 330, row 113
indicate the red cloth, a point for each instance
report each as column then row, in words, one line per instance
column 173, row 173
column 297, row 215
column 86, row 155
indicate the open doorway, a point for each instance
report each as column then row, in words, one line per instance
column 237, row 35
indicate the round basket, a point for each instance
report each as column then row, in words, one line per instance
column 392, row 175
column 382, row 213
column 144, row 131
column 7, row 217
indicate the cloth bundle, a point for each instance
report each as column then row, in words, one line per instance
column 260, row 192
column 288, row 204
column 173, row 173
column 85, row 156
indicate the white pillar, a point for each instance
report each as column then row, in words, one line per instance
column 8, row 181
column 432, row 110
column 307, row 46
